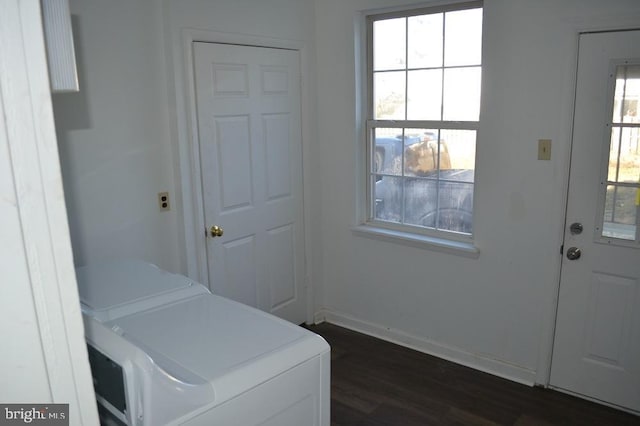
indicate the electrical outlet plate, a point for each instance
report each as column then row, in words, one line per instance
column 163, row 201
column 544, row 149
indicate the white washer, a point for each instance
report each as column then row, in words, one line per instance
column 164, row 350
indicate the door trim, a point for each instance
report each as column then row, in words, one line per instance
column 40, row 263
column 189, row 150
column 550, row 311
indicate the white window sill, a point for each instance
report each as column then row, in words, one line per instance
column 459, row 248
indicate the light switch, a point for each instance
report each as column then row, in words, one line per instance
column 544, row 149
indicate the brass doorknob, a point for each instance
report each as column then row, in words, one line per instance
column 216, row 231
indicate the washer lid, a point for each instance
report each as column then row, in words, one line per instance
column 230, row 345
column 109, row 285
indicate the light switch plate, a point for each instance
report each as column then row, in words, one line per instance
column 544, row 149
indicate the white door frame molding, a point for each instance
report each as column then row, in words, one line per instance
column 570, row 373
column 189, row 150
column 550, row 308
column 37, row 257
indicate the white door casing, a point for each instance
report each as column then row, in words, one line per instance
column 248, row 109
column 44, row 355
column 596, row 349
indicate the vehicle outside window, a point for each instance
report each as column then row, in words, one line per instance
column 424, row 69
column 431, row 193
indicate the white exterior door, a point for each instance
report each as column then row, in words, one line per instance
column 597, row 341
column 248, row 102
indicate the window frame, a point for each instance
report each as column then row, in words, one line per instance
column 609, row 125
column 434, row 236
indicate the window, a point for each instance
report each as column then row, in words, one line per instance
column 423, row 74
column 622, row 174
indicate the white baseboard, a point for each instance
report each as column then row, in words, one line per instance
column 488, row 365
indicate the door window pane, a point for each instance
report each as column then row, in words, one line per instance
column 614, row 150
column 620, row 213
column 624, row 155
column 627, row 94
column 622, row 198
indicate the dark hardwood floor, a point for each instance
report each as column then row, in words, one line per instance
column 374, row 382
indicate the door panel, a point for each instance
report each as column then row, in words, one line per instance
column 276, row 131
column 230, row 80
column 234, row 152
column 248, row 103
column 281, row 276
column 239, row 282
column 597, row 342
column 608, row 318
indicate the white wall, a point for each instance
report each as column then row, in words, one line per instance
column 120, row 137
column 494, row 312
column 114, row 136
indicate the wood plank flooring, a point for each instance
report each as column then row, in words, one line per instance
column 375, row 383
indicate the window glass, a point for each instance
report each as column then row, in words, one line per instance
column 622, row 198
column 422, row 154
column 425, row 75
column 627, row 93
column 620, row 213
column 389, row 95
column 425, row 41
column 424, row 95
column 463, row 37
column 388, row 147
column 388, row 195
column 459, row 148
column 389, row 38
column 420, row 198
column 456, row 205
column 462, row 94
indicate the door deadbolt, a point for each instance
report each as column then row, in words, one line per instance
column 576, row 228
column 216, row 231
column 574, row 253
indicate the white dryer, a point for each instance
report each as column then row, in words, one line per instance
column 164, row 350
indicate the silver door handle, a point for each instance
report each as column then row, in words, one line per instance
column 576, row 228
column 574, row 253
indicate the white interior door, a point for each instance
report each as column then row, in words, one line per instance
column 248, row 101
column 597, row 341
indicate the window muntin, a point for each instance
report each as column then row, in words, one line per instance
column 424, row 71
column 622, row 194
